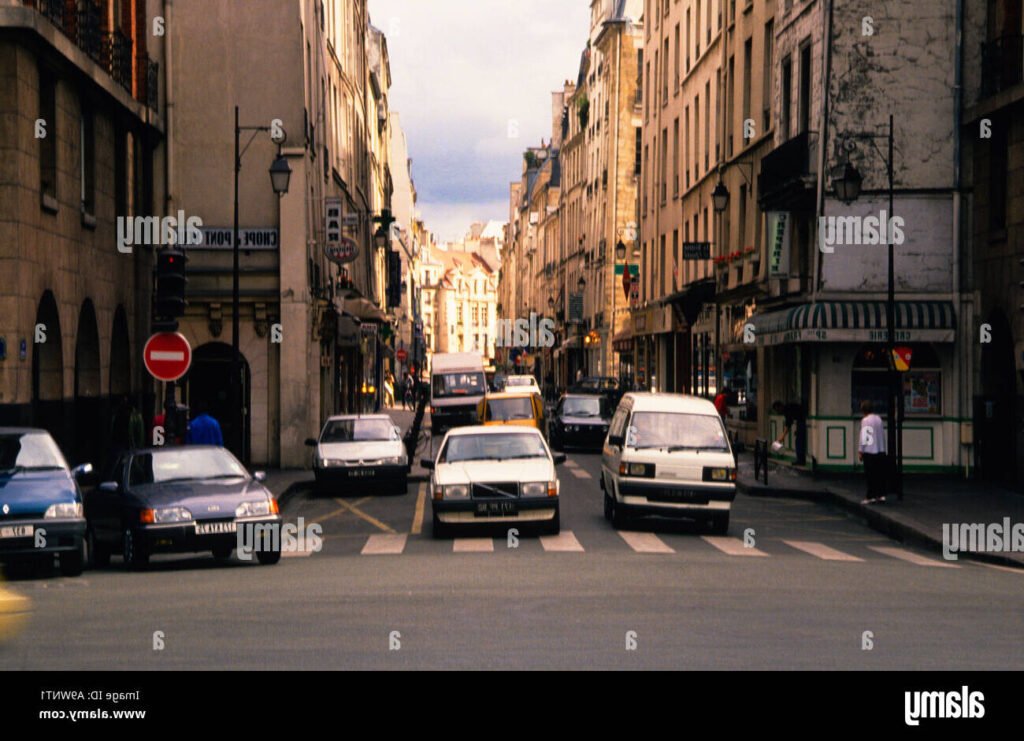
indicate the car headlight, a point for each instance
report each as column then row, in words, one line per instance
column 255, row 509
column 456, row 491
column 719, row 474
column 65, row 510
column 539, row 489
column 570, row 428
column 398, row 460
column 645, row 470
column 330, row 462
column 165, row 515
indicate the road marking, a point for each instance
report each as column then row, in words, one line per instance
column 912, row 557
column 580, row 473
column 421, row 501
column 341, row 510
column 564, row 542
column 570, row 463
column 644, row 542
column 822, row 551
column 473, row 545
column 379, row 545
column 999, row 567
column 296, row 554
column 731, row 546
column 369, row 518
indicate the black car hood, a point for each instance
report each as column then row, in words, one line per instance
column 205, row 500
column 571, row 419
column 30, row 492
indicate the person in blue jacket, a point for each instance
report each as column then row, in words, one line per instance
column 204, row 429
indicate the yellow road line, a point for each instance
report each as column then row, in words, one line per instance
column 369, row 518
column 340, row 510
column 421, row 502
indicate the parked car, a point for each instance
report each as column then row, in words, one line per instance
column 178, row 500
column 522, row 383
column 494, row 474
column 605, row 386
column 513, row 408
column 668, row 455
column 41, row 508
column 355, row 448
column 580, row 421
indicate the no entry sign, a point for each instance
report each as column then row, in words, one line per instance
column 167, row 356
column 402, row 355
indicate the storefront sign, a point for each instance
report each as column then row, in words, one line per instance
column 345, row 251
column 854, row 335
column 220, row 238
column 778, row 244
column 696, row 250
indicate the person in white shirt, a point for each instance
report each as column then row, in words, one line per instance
column 871, row 450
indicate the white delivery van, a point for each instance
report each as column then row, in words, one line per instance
column 668, row 455
column 457, row 386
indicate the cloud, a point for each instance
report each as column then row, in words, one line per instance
column 450, row 219
column 473, row 82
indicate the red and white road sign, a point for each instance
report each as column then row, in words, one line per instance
column 402, row 355
column 167, row 356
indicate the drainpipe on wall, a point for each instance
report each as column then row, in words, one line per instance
column 964, row 358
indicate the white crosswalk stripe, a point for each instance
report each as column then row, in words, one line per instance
column 564, row 542
column 731, row 546
column 645, row 542
column 822, row 551
column 911, row 557
column 384, row 545
column 473, row 545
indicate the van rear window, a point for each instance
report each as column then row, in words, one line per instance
column 458, row 384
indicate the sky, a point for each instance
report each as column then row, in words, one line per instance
column 472, row 80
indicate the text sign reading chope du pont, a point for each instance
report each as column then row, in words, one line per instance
column 167, row 356
column 215, row 238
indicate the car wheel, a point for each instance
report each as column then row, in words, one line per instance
column 554, row 527
column 222, row 552
column 72, row 563
column 133, row 551
column 720, row 524
column 440, row 529
column 619, row 517
column 608, row 507
column 402, row 486
column 99, row 554
column 268, row 558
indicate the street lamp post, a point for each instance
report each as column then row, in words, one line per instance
column 280, row 175
column 848, row 183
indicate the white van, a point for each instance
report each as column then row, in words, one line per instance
column 668, row 455
column 457, row 386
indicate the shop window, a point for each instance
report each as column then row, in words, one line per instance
column 922, row 384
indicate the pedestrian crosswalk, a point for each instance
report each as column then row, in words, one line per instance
column 650, row 543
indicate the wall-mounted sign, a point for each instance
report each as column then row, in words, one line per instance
column 332, row 221
column 696, row 250
column 345, row 251
column 778, row 244
column 220, row 238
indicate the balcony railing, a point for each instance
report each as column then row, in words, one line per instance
column 1002, row 64
column 112, row 51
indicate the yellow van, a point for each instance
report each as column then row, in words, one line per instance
column 513, row 408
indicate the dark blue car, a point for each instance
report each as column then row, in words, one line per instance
column 40, row 502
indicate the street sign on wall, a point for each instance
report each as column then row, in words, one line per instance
column 342, row 253
column 778, row 244
column 167, row 356
column 332, row 221
column 221, row 238
column 696, row 250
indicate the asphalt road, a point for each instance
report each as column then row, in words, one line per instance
column 813, row 592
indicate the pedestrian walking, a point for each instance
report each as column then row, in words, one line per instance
column 408, row 400
column 795, row 419
column 722, row 401
column 204, row 429
column 871, row 451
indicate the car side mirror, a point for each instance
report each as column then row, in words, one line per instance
column 260, row 476
column 110, row 487
column 83, row 470
column 616, row 441
column 427, row 464
column 311, row 442
column 558, row 458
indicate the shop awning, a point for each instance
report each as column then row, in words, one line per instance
column 623, row 341
column 856, row 321
column 363, row 309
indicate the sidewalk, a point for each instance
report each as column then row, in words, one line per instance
column 928, row 503
column 286, row 483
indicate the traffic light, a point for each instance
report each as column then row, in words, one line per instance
column 169, row 299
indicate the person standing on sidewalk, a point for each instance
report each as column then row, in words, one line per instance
column 796, row 419
column 871, row 450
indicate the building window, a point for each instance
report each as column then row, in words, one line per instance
column 787, row 97
column 639, row 139
column 998, row 184
column 675, row 158
column 87, row 159
column 748, row 47
column 805, row 87
column 48, row 143
column 766, row 84
column 922, row 386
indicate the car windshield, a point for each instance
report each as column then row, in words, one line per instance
column 502, row 446
column 26, row 451
column 358, row 430
column 502, row 410
column 459, row 384
column 586, row 407
column 677, row 431
column 184, row 464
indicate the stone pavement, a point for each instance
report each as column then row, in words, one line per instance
column 929, row 502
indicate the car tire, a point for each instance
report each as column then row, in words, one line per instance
column 99, row 554
column 720, row 524
column 72, row 563
column 619, row 517
column 608, row 507
column 268, row 558
column 554, row 527
column 223, row 552
column 402, row 486
column 440, row 529
column 134, row 553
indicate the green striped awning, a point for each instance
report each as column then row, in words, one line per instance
column 856, row 321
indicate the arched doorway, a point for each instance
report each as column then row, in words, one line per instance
column 120, row 355
column 48, row 371
column 209, row 381
column 88, row 413
column 995, row 433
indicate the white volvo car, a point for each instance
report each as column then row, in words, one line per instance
column 668, row 455
column 494, row 474
column 354, row 448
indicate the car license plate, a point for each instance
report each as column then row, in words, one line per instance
column 680, row 495
column 215, row 528
column 17, row 531
column 363, row 473
column 496, row 509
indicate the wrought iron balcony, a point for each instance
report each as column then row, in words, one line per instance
column 1002, row 64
